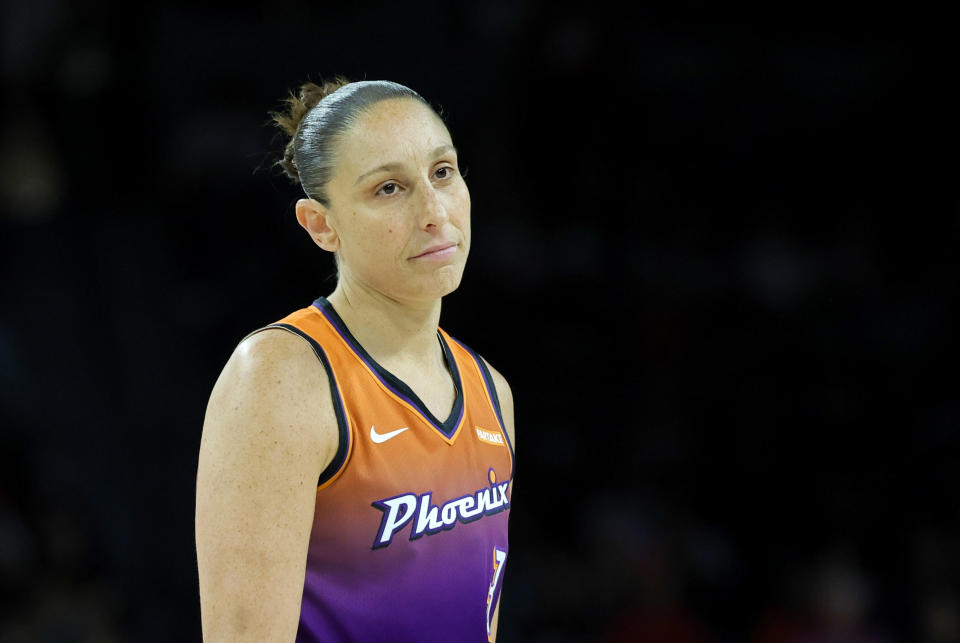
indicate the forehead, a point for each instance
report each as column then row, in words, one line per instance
column 392, row 130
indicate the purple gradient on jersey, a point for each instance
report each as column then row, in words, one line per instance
column 425, row 590
column 497, row 579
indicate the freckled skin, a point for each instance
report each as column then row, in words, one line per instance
column 383, row 232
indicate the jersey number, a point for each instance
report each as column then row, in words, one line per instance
column 493, row 595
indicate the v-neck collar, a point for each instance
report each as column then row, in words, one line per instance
column 397, row 386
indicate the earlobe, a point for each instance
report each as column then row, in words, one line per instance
column 314, row 217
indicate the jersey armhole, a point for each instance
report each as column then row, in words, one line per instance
column 343, row 428
column 494, row 398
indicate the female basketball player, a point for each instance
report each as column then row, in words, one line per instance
column 356, row 460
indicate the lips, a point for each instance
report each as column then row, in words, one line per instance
column 438, row 250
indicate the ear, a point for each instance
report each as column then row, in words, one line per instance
column 314, row 217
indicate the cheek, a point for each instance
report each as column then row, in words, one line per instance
column 465, row 212
column 459, row 205
column 466, row 202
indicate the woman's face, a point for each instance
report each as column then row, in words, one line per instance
column 398, row 205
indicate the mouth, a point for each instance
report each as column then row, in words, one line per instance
column 439, row 251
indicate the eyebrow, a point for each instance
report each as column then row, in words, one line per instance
column 390, row 167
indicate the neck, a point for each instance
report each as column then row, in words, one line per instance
column 388, row 328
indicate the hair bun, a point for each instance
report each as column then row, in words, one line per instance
column 297, row 107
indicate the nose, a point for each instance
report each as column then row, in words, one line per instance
column 432, row 211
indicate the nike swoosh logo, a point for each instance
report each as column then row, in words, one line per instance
column 383, row 437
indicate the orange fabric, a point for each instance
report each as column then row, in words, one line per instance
column 369, row 402
column 408, row 521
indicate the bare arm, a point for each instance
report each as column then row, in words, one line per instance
column 269, row 431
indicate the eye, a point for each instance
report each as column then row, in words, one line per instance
column 444, row 172
column 388, row 189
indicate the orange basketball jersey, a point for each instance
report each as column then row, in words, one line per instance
column 409, row 540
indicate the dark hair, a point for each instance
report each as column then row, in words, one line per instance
column 318, row 117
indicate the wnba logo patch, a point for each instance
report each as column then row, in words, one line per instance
column 490, row 437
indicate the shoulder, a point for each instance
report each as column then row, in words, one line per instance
column 500, row 382
column 272, row 361
column 274, row 388
column 503, row 387
column 505, row 397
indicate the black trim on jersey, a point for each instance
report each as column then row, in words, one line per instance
column 343, row 427
column 492, row 391
column 447, row 427
column 488, row 378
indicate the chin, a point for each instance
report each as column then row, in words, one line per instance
column 440, row 283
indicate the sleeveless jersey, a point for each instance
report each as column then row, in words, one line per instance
column 409, row 539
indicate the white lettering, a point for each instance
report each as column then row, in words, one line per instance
column 496, row 438
column 391, row 522
column 483, row 499
column 427, row 516
column 399, row 511
column 466, row 507
column 450, row 512
column 502, row 488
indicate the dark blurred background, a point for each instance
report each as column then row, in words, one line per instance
column 713, row 253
